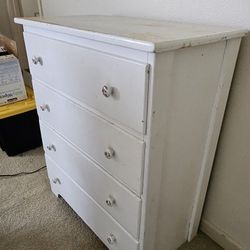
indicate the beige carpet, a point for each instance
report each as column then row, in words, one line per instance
column 32, row 218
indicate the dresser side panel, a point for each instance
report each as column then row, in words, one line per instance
column 226, row 75
column 183, row 96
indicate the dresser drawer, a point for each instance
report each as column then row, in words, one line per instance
column 105, row 227
column 117, row 152
column 84, row 74
column 123, row 205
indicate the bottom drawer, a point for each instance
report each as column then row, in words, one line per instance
column 104, row 226
column 126, row 207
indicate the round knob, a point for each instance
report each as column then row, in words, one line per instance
column 111, row 239
column 37, row 60
column 107, row 90
column 51, row 147
column 109, row 153
column 110, row 201
column 45, row 107
column 56, row 180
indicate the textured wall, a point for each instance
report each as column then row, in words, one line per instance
column 29, row 7
column 228, row 200
column 230, row 12
column 4, row 20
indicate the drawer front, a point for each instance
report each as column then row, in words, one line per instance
column 105, row 227
column 83, row 74
column 116, row 151
column 123, row 205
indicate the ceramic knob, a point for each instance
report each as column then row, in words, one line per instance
column 109, row 153
column 45, row 107
column 37, row 60
column 111, row 239
column 56, row 180
column 107, row 90
column 51, row 147
column 110, row 201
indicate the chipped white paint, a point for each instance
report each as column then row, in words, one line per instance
column 141, row 34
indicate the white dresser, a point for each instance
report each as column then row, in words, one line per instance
column 130, row 112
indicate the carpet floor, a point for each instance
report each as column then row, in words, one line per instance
column 32, row 218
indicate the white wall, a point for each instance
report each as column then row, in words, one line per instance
column 4, row 20
column 227, row 207
column 230, row 12
column 29, row 7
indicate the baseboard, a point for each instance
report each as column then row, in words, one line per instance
column 220, row 237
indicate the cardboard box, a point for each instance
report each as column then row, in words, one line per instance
column 12, row 88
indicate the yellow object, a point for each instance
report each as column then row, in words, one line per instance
column 19, row 107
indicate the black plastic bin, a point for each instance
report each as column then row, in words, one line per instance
column 19, row 126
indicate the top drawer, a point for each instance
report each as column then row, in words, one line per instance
column 90, row 76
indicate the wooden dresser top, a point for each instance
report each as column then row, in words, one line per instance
column 143, row 34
